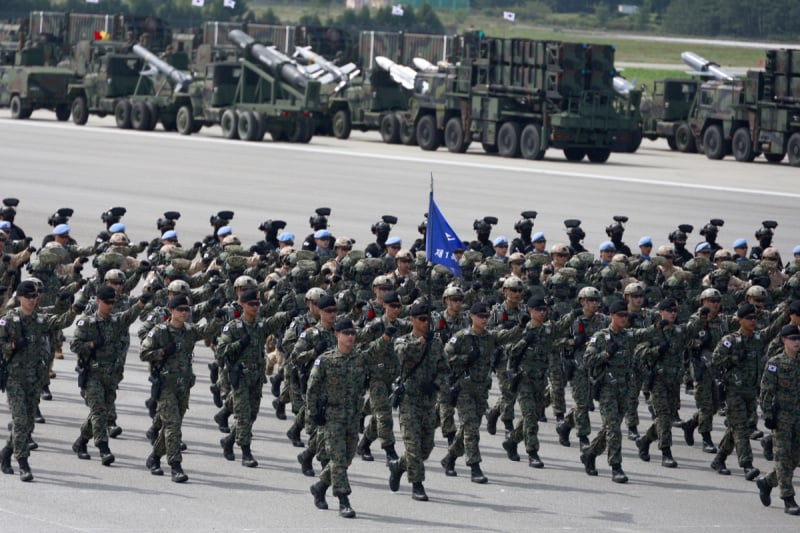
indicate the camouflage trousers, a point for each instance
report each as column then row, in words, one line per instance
column 23, row 392
column 741, row 405
column 100, row 395
column 557, row 385
column 662, row 396
column 706, row 398
column 445, row 413
column 381, row 424
column 119, row 375
column 246, row 404
column 613, row 401
column 471, row 405
column 578, row 416
column 531, row 398
column 786, row 437
column 293, row 390
column 634, row 391
column 340, row 438
column 418, row 422
column 172, row 405
column 505, row 403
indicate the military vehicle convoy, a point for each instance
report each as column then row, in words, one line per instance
column 665, row 112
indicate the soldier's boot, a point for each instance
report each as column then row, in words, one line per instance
column 5, row 460
column 106, row 457
column 395, row 474
column 418, row 492
column 305, row 459
column 559, row 418
column 617, row 475
column 757, row 434
column 534, row 461
column 32, row 444
column 24, row 469
column 449, row 465
column 583, row 441
column 563, row 431
column 708, row 444
column 361, row 423
column 764, row 491
column 79, row 447
column 216, row 396
column 766, row 445
column 676, row 420
column 46, row 394
column 221, row 419
column 363, row 450
column 476, row 476
column 511, row 449
column 345, row 511
column 38, row 417
column 294, row 435
column 114, row 430
column 391, row 453
column 750, row 472
column 450, row 438
column 275, row 381
column 667, row 460
column 247, row 457
column 178, row 476
column 51, row 374
column 183, row 446
column 588, row 459
column 689, row 388
column 509, row 426
column 633, row 433
column 153, row 464
column 280, row 409
column 318, row 490
column 718, row 464
column 688, row 428
column 643, row 443
column 227, row 447
column 790, row 506
column 59, row 353
column 492, row 415
column 151, row 434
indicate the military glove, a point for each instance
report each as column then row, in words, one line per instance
column 213, row 272
column 325, row 271
column 294, row 313
column 612, row 349
column 662, row 324
column 77, row 268
column 336, row 278
column 428, row 335
column 476, row 286
column 145, row 297
column 376, row 327
column 83, row 260
column 66, row 297
column 320, row 346
column 704, row 311
column 271, row 284
column 144, row 266
column 508, row 324
column 197, row 245
column 170, row 349
column 530, row 337
column 31, row 249
column 663, row 348
column 99, row 342
column 414, row 294
column 473, row 356
column 244, row 342
column 20, row 344
column 580, row 340
column 6, row 258
column 705, row 339
column 769, row 420
column 390, row 331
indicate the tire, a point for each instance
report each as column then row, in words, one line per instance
column 122, row 114
column 742, row 145
column 140, row 116
column 248, row 126
column 169, row 122
column 489, row 148
column 684, row 139
column 63, row 112
column 672, row 143
column 17, row 108
column 713, row 142
column 408, row 133
column 302, row 131
column 341, row 124
column 574, row 154
column 598, row 155
column 774, row 158
column 229, row 124
column 429, row 137
column 152, row 108
column 508, row 139
column 80, row 111
column 454, row 136
column 390, row 129
column 530, row 141
column 184, row 120
column 278, row 135
column 793, row 149
column 634, row 142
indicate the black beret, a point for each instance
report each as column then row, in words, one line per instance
column 617, row 306
column 789, row 330
column 106, row 293
column 391, row 297
column 343, row 324
column 326, row 301
column 746, row 309
column 419, row 309
column 177, row 300
column 248, row 295
column 667, row 303
column 536, row 301
column 27, row 288
column 479, row 307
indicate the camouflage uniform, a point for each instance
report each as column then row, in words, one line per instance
column 503, row 315
column 445, row 325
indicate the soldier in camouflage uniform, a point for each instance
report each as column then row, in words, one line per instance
column 334, row 398
column 101, row 342
column 780, row 404
column 424, row 371
column 638, row 317
column 25, row 345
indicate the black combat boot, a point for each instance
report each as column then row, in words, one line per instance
column 718, row 464
column 183, row 446
column 152, row 434
column 633, row 433
column 79, row 447
column 449, row 465
column 511, row 449
column 106, row 457
column 534, row 461
column 477, row 474
column 38, row 417
column 766, row 445
column 643, row 443
column 559, row 418
column 509, row 425
column 32, row 444
column 563, row 431
column 492, row 415
column 395, row 473
column 5, row 460
column 275, row 381
column 345, row 511
column 24, row 469
column 227, row 447
column 318, row 490
column 363, row 449
column 46, row 394
column 764, row 491
column 750, row 472
column 688, row 428
column 667, row 459
column 178, row 475
column 617, row 475
column 418, row 492
column 280, row 409
column 114, row 430
column 756, row 434
column 789, row 505
column 708, row 444
column 588, row 459
column 153, row 464
column 450, row 438
column 216, row 397
column 305, row 459
column 294, row 435
column 583, row 441
column 221, row 418
column 247, row 457
column 391, row 453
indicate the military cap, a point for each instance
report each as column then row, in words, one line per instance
column 419, row 309
column 322, row 234
column 343, row 324
column 634, row 289
column 248, row 295
column 796, row 250
column 314, row 294
column 382, row 281
column 117, row 227
column 177, row 300
column 710, row 293
column 745, row 309
column 794, row 308
column 61, row 229
column 499, row 241
column 106, row 294
column 667, row 303
column 646, row 241
column 539, row 236
column 178, row 286
column 286, row 236
column 756, row 291
column 393, row 241
column 244, row 281
column 513, row 282
column 536, row 302
column 343, row 242
column 28, row 288
column 739, row 243
column 230, row 239
column 326, row 301
column 617, row 307
column 391, row 297
column 790, row 330
column 3, row 235
column 119, row 238
column 115, row 274
column 559, row 248
column 169, row 234
column 702, row 247
column 5, row 225
column 771, row 253
column 607, row 246
column 224, row 230
column 479, row 307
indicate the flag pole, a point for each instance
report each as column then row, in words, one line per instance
column 430, row 265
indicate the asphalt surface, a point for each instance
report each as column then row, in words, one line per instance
column 50, row 165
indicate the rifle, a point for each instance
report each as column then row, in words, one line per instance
column 3, row 374
column 156, row 384
column 321, row 406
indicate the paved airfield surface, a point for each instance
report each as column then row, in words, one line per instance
column 49, row 165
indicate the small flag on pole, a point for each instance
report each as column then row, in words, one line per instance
column 397, row 11
column 198, row 3
column 92, row 1
column 440, row 239
column 509, row 15
column 230, row 3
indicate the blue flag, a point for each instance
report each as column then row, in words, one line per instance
column 441, row 240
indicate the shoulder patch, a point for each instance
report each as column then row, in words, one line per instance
column 40, row 320
column 608, row 336
column 239, row 325
column 727, row 343
column 772, row 368
column 593, row 340
column 303, row 335
column 2, row 322
column 225, row 328
column 151, row 333
column 453, row 340
column 317, row 362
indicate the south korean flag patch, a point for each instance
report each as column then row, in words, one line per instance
column 772, row 368
column 727, row 343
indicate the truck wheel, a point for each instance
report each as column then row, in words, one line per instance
column 574, row 154
column 248, row 126
column 454, row 136
column 152, row 108
column 18, row 109
column 428, row 135
column 508, row 139
column 635, row 141
column 390, row 129
column 684, row 139
column 229, row 124
column 774, row 158
column 341, row 124
column 62, row 112
column 184, row 120
column 261, row 120
column 169, row 122
column 713, row 143
column 140, row 116
column 742, row 145
column 308, row 129
column 489, row 148
column 673, row 145
column 530, row 141
column 408, row 133
column 598, row 155
column 793, row 149
column 80, row 111
column 122, row 114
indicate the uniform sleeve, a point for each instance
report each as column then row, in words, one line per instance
column 82, row 338
column 151, row 346
column 229, row 345
column 127, row 318
column 769, row 383
column 62, row 321
column 7, row 336
column 303, row 352
column 723, row 358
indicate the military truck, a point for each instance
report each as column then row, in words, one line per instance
column 665, row 112
column 519, row 97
